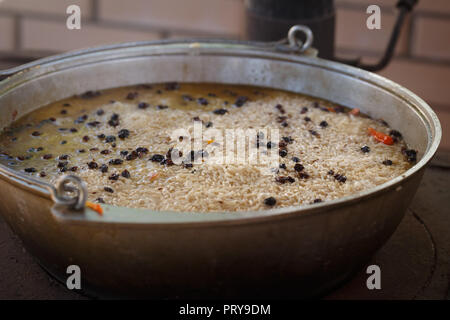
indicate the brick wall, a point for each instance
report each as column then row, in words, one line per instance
column 422, row 60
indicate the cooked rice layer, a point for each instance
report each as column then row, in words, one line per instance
column 329, row 154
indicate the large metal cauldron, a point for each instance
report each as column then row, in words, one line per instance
column 293, row 252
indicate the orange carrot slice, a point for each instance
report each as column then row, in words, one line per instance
column 95, row 206
column 153, row 176
column 354, row 111
column 380, row 136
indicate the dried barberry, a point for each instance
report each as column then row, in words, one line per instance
column 110, row 139
column 202, row 101
column 131, row 95
column 240, row 101
column 115, row 161
column 220, row 111
column 124, row 133
column 282, row 153
column 323, row 124
column 108, row 189
column 365, row 149
column 126, row 174
column 92, row 165
column 271, row 201
column 157, row 158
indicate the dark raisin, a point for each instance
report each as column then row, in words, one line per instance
column 316, row 104
column 132, row 156
column 93, row 149
column 209, row 124
column 81, row 119
column 282, row 166
column 101, row 136
column 131, row 95
column 331, row 172
column 64, row 111
column 85, row 139
column 365, row 149
column 108, row 189
column 113, row 177
column 283, row 179
column 307, row 119
column 123, row 153
column 63, row 169
column 282, row 144
column 104, row 168
column 100, row 200
column 63, row 142
column 220, row 111
column 187, row 97
column 303, row 175
column 125, row 173
column 288, row 139
column 298, row 167
column 281, row 119
column 73, row 130
column 63, row 157
column 36, row 133
column 280, row 108
column 47, row 156
column 295, row 159
column 395, row 133
column 106, row 151
column 172, row 86
column 317, row 200
column 29, row 170
column 62, row 164
column 92, row 165
column 143, row 105
column 90, row 94
column 314, row 133
column 81, row 150
column 74, row 168
column 157, row 158
column 161, row 107
column 340, row 178
column 240, row 101
column 110, row 139
column 304, row 110
column 187, row 165
column 93, row 123
column 114, row 120
column 202, row 101
column 271, row 201
column 141, row 150
column 283, row 153
column 115, row 161
column 270, row 144
column 323, row 124
column 100, row 112
column 124, row 133
column 42, row 174
column 387, row 162
column 285, row 124
column 411, row 155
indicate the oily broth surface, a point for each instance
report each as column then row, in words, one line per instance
column 226, row 187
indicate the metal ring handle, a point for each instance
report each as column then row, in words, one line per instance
column 62, row 187
column 295, row 42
